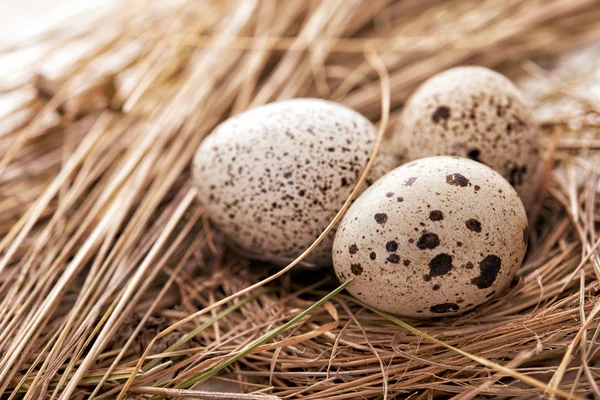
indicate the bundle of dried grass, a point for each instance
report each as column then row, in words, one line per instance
column 112, row 283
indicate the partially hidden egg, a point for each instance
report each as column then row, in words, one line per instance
column 272, row 178
column 435, row 237
column 477, row 113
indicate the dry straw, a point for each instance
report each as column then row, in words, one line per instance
column 113, row 285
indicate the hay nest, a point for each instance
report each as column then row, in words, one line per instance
column 113, row 285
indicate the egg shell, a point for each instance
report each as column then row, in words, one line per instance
column 272, row 178
column 437, row 236
column 477, row 113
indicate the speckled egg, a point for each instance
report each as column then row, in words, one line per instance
column 437, row 236
column 476, row 113
column 272, row 178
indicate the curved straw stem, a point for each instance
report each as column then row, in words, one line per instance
column 378, row 65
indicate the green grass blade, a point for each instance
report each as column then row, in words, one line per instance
column 265, row 338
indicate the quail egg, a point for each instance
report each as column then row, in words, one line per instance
column 437, row 236
column 476, row 113
column 272, row 178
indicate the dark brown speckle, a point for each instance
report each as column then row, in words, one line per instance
column 473, row 225
column 440, row 265
column 516, row 175
column 391, row 246
column 473, row 154
column 457, row 180
column 441, row 113
column 394, row 258
column 488, row 271
column 381, row 218
column 428, row 241
column 436, row 215
column 444, row 308
column 356, row 269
